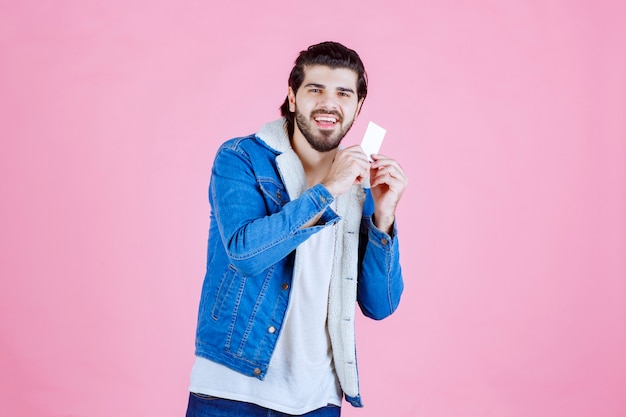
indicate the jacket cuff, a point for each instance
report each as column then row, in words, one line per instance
column 320, row 196
column 322, row 199
column 380, row 237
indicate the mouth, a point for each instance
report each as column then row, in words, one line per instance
column 326, row 121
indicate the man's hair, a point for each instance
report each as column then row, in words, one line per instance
column 330, row 54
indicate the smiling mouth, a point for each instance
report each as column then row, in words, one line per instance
column 326, row 119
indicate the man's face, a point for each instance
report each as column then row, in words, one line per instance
column 325, row 105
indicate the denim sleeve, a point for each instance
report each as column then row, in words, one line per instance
column 256, row 237
column 380, row 283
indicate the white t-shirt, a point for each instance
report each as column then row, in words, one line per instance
column 301, row 376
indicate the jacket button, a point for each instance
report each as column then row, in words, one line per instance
column 323, row 199
column 271, row 330
column 278, row 194
column 384, row 241
column 285, row 286
column 257, row 371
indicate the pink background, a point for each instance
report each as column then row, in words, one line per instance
column 509, row 118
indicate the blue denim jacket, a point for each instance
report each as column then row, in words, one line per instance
column 255, row 229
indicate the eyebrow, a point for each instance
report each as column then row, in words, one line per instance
column 343, row 89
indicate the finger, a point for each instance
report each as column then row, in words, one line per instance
column 392, row 170
column 357, row 150
column 359, row 156
column 354, row 152
column 381, row 157
column 354, row 161
column 387, row 164
column 388, row 175
column 382, row 160
column 378, row 177
column 393, row 186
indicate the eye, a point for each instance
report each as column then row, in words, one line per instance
column 315, row 90
column 344, row 94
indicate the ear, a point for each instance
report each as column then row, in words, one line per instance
column 358, row 107
column 292, row 99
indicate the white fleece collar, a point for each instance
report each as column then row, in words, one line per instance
column 274, row 134
column 343, row 282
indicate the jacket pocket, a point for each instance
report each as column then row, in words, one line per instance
column 225, row 284
column 273, row 191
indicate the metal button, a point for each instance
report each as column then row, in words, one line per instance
column 285, row 286
column 278, row 194
column 323, row 199
column 384, row 241
column 271, row 330
column 257, row 371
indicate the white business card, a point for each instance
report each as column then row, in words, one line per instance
column 373, row 139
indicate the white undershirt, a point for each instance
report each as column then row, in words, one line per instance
column 301, row 376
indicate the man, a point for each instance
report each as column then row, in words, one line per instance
column 295, row 239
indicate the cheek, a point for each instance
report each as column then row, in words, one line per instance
column 350, row 114
column 303, row 106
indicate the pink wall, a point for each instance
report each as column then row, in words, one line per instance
column 509, row 118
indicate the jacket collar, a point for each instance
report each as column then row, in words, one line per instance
column 274, row 134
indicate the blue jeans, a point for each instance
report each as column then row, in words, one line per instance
column 206, row 406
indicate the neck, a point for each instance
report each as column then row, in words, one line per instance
column 316, row 164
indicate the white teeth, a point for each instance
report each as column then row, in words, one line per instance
column 326, row 119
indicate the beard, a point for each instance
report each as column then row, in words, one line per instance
column 321, row 140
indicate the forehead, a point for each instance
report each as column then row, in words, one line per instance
column 330, row 77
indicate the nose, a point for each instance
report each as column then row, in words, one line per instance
column 328, row 102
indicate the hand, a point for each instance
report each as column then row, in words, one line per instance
column 349, row 167
column 388, row 182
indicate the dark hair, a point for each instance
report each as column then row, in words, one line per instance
column 331, row 54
